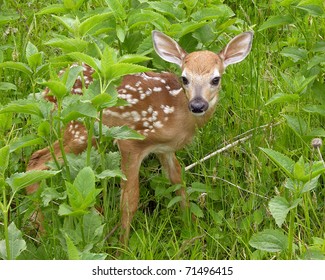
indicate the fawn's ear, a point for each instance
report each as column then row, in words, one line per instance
column 167, row 48
column 237, row 49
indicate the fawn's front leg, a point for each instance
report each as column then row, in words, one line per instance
column 131, row 158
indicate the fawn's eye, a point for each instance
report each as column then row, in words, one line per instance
column 185, row 81
column 215, row 81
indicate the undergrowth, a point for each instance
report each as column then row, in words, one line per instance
column 262, row 198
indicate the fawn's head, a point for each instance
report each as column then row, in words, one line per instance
column 202, row 70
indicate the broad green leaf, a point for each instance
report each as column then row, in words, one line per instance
column 282, row 161
column 316, row 169
column 279, row 208
column 117, row 8
column 148, row 17
column 282, row 98
column 49, row 194
column 111, row 174
column 70, row 23
column 5, row 86
column 198, row 187
column 133, row 58
column 25, row 141
column 77, row 110
column 92, row 62
column 4, row 159
column 295, row 53
column 276, row 21
column 68, row 44
column 190, row 4
column 34, row 57
column 57, row 88
column 19, row 66
column 316, row 60
column 297, row 124
column 174, row 200
column 315, row 109
column 72, row 75
column 91, row 22
column 18, row 181
column 85, row 181
column 52, row 9
column 23, row 106
column 299, row 168
column 104, row 100
column 312, row 7
column 5, row 18
column 73, row 4
column 16, row 243
column 92, row 227
column 196, row 210
column 168, row 8
column 121, row 69
column 181, row 29
column 123, row 132
column 216, row 12
column 73, row 253
column 310, row 185
column 269, row 240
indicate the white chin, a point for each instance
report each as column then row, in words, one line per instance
column 198, row 114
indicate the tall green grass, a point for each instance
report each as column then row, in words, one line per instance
column 249, row 203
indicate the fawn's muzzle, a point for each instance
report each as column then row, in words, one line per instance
column 198, row 106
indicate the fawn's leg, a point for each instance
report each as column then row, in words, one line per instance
column 174, row 172
column 131, row 158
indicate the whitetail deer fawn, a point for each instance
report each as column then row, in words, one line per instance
column 163, row 108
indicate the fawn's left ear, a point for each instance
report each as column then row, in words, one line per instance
column 237, row 49
column 167, row 48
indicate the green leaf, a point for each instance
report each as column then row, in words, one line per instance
column 196, row 210
column 111, row 174
column 23, row 106
column 34, row 57
column 282, row 98
column 168, row 8
column 121, row 69
column 315, row 109
column 145, row 17
column 73, row 253
column 216, row 12
column 282, row 161
column 117, row 8
column 133, row 58
column 16, row 243
column 310, row 185
column 18, row 181
column 269, row 240
column 123, row 132
column 104, row 100
column 4, row 159
column 25, row 141
column 276, row 21
column 68, row 44
column 316, row 60
column 91, row 22
column 92, row 62
column 312, row 7
column 297, row 124
column 295, row 53
column 92, row 227
column 299, row 168
column 174, row 200
column 19, row 66
column 279, row 208
column 52, row 9
column 78, row 109
column 5, row 18
column 82, row 193
column 57, row 88
column 7, row 86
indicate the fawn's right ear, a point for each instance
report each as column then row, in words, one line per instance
column 167, row 48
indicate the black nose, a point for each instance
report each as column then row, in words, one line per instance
column 198, row 105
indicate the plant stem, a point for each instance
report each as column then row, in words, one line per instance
column 291, row 233
column 5, row 222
